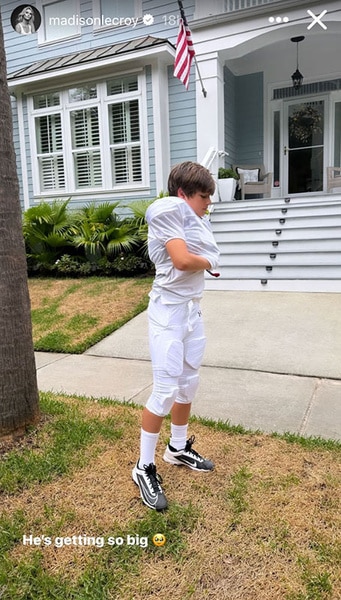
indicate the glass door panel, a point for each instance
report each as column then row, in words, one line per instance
column 305, row 147
column 337, row 135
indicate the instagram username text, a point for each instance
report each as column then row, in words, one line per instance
column 101, row 21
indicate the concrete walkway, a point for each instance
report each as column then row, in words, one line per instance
column 272, row 362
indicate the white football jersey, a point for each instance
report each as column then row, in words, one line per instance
column 171, row 218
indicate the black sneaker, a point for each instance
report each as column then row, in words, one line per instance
column 188, row 457
column 149, row 482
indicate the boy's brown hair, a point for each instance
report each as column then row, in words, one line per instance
column 191, row 177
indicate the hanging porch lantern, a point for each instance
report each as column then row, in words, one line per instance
column 297, row 77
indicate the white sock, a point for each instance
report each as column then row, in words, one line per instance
column 147, row 447
column 178, row 436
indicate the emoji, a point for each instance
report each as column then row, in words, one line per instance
column 159, row 539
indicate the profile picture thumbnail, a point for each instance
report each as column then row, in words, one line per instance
column 25, row 19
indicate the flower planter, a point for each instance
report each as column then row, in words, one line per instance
column 227, row 188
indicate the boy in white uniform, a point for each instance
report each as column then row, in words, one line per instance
column 182, row 247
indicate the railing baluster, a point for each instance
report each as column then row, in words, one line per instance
column 233, row 5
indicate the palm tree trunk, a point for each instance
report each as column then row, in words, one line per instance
column 19, row 403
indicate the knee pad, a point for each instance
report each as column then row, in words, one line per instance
column 167, row 355
column 194, row 351
column 162, row 399
column 187, row 389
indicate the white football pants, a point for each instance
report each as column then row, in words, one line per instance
column 177, row 344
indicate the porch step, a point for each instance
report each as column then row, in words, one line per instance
column 275, row 285
column 270, row 271
column 290, row 220
column 279, row 234
column 265, row 213
column 284, row 245
column 283, row 201
column 274, row 240
column 277, row 259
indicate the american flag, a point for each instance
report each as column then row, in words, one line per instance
column 184, row 54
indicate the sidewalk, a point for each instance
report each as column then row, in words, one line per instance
column 272, row 362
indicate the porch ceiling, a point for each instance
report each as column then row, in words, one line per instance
column 318, row 55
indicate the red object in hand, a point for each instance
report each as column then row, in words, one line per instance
column 213, row 274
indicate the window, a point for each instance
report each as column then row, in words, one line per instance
column 107, row 13
column 276, row 147
column 86, row 147
column 49, row 147
column 50, row 152
column 46, row 100
column 125, row 141
column 337, row 135
column 89, row 137
column 60, row 19
column 118, row 8
column 124, row 128
column 86, row 92
column 122, row 85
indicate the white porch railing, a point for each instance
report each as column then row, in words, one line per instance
column 204, row 9
column 233, row 5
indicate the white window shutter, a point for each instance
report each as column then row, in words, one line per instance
column 50, row 152
column 52, row 175
column 125, row 142
column 85, row 139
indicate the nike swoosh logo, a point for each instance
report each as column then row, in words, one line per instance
column 146, row 491
column 188, row 459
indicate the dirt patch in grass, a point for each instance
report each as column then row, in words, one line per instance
column 264, row 525
column 25, row 441
column 70, row 315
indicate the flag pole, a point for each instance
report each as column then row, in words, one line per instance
column 183, row 16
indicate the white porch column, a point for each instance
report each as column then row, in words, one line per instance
column 210, row 110
column 23, row 155
column 161, row 123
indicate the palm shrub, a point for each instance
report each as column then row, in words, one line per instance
column 100, row 233
column 139, row 224
column 97, row 238
column 109, row 242
column 47, row 230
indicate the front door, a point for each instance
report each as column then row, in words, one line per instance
column 304, row 149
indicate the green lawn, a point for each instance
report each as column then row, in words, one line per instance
column 70, row 315
column 264, row 525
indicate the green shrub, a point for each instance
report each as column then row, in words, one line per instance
column 47, row 233
column 125, row 265
column 130, row 264
column 93, row 240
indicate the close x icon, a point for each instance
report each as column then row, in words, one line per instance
column 317, row 20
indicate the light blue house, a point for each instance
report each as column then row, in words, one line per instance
column 98, row 114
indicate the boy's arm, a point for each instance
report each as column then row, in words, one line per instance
column 184, row 260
